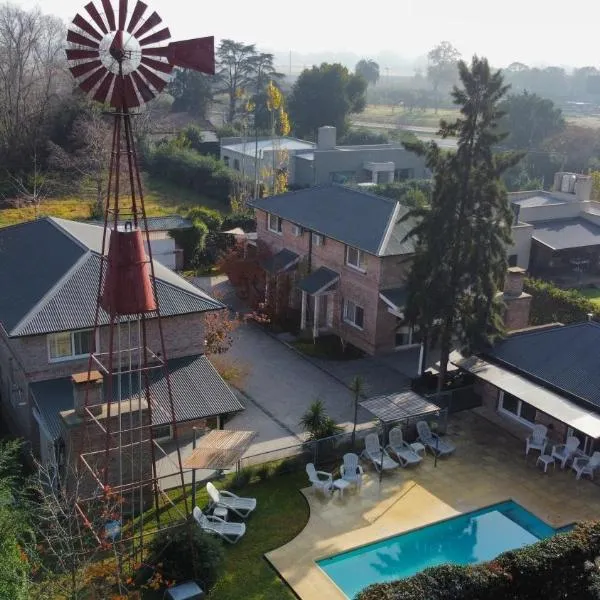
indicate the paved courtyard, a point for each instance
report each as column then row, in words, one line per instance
column 489, row 466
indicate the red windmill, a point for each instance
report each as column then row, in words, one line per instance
column 120, row 58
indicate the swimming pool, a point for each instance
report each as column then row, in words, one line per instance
column 470, row 538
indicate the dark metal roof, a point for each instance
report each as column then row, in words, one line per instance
column 164, row 223
column 198, row 392
column 55, row 288
column 351, row 216
column 396, row 296
column 566, row 359
column 318, row 280
column 73, row 306
column 401, row 406
column 283, row 260
column 33, row 257
column 561, row 234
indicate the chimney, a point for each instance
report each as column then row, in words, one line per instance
column 326, row 137
column 513, row 284
column 94, row 391
column 583, row 188
column 517, row 302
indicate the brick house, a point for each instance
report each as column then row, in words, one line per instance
column 49, row 271
column 546, row 375
column 345, row 253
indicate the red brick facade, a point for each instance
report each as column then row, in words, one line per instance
column 378, row 332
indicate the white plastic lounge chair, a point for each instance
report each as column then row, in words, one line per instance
column 350, row 470
column 240, row 506
column 433, row 441
column 564, row 452
column 230, row 532
column 584, row 465
column 320, row 480
column 406, row 455
column 537, row 440
column 377, row 455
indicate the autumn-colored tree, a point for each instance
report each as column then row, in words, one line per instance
column 219, row 327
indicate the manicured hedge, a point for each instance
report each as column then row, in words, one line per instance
column 186, row 167
column 550, row 304
column 553, row 569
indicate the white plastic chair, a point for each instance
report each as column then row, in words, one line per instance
column 230, row 532
column 538, row 439
column 585, row 465
column 320, row 480
column 433, row 441
column 403, row 450
column 240, row 506
column 564, row 452
column 351, row 470
column 377, row 455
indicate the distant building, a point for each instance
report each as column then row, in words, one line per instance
column 309, row 164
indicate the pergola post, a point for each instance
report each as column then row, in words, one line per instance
column 316, row 318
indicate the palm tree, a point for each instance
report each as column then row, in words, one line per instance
column 318, row 423
column 369, row 69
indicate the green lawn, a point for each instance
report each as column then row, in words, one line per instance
column 160, row 198
column 281, row 514
column 592, row 294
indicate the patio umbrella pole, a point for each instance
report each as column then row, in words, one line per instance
column 382, row 451
column 194, row 472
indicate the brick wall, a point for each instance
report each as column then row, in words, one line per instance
column 516, row 313
column 361, row 288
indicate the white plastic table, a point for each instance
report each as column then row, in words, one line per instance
column 418, row 448
column 221, row 512
column 341, row 485
column 546, row 460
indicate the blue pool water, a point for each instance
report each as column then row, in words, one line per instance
column 470, row 538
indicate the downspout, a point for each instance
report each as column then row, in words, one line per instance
column 309, row 263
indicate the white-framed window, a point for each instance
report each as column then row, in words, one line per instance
column 353, row 314
column 274, row 223
column 317, row 239
column 355, row 258
column 69, row 345
column 297, row 231
column 162, row 433
column 516, row 409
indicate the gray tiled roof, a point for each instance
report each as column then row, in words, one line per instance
column 565, row 358
column 198, row 392
column 164, row 223
column 318, row 280
column 560, row 234
column 281, row 261
column 351, row 216
column 49, row 271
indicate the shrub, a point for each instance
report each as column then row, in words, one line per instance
column 553, row 569
column 231, row 370
column 188, row 553
column 550, row 304
column 264, row 472
column 242, row 478
column 317, row 423
column 287, row 465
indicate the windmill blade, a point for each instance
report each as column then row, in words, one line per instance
column 104, row 88
column 154, row 80
column 88, row 84
column 157, row 65
column 80, row 22
column 96, row 17
column 138, row 11
column 159, row 36
column 77, row 54
column 81, row 40
column 142, row 87
column 122, row 14
column 84, row 68
column 197, row 54
column 110, row 14
column 152, row 21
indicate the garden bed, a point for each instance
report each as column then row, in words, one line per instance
column 328, row 347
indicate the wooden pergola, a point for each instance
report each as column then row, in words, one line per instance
column 219, row 449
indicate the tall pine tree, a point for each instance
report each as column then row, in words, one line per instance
column 461, row 237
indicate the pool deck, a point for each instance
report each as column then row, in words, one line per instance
column 489, row 466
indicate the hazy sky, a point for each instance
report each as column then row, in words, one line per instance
column 529, row 31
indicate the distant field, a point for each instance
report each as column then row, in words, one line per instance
column 159, row 198
column 390, row 117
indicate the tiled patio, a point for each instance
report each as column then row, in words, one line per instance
column 489, row 466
